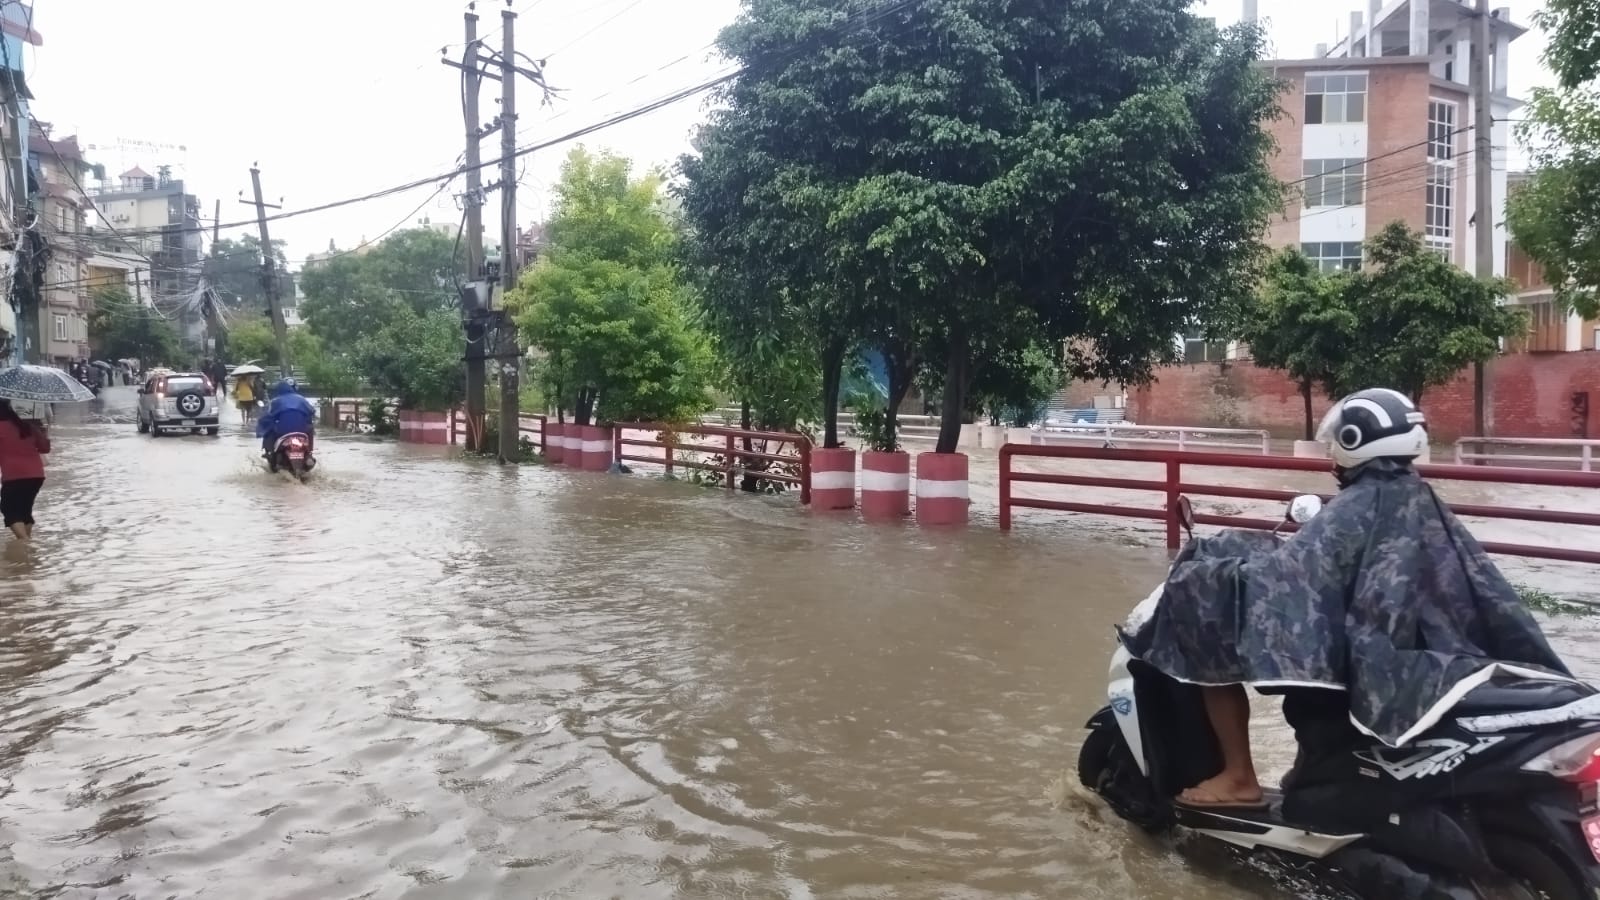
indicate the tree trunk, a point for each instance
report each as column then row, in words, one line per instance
column 583, row 410
column 900, row 367
column 832, row 374
column 750, row 484
column 955, row 393
column 1305, row 393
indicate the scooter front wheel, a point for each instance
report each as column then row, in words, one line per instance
column 1095, row 756
column 1107, row 767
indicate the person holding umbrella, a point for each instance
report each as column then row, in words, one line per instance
column 247, row 390
column 24, row 442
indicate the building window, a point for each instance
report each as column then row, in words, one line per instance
column 1336, row 99
column 1334, row 182
column 61, row 327
column 1196, row 349
column 1441, row 130
column 1334, row 256
column 1439, row 219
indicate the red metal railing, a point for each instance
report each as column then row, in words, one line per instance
column 1173, row 484
column 731, row 457
column 535, row 433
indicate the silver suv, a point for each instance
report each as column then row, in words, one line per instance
column 184, row 401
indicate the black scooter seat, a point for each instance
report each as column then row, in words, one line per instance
column 1519, row 696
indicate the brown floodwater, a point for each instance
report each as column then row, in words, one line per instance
column 418, row 676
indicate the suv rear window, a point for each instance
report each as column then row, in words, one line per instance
column 188, row 383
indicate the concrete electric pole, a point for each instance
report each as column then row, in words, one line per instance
column 214, row 329
column 269, row 275
column 508, row 356
column 473, row 313
column 1483, row 172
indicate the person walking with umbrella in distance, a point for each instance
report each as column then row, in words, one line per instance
column 23, row 444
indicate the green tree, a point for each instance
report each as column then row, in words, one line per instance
column 360, row 293
column 253, row 339
column 1013, row 386
column 1099, row 167
column 1555, row 215
column 416, row 358
column 1302, row 325
column 234, row 269
column 606, row 304
column 1419, row 319
column 121, row 328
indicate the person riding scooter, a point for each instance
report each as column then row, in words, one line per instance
column 288, row 413
column 1383, row 604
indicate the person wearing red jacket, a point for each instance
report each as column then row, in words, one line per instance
column 23, row 444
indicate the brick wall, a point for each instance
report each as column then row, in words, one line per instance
column 1397, row 166
column 1530, row 395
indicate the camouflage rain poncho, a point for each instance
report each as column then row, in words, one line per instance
column 1384, row 594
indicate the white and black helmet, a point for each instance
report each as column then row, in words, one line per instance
column 1376, row 423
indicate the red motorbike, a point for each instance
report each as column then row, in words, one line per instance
column 292, row 452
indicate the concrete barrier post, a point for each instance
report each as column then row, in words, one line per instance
column 596, row 448
column 572, row 445
column 971, row 438
column 942, row 489
column 833, row 478
column 554, row 442
column 885, row 485
column 1311, row 449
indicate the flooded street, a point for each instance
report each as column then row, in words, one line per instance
column 418, row 676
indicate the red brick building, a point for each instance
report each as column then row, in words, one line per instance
column 1377, row 129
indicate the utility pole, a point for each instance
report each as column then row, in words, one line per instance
column 214, row 329
column 507, row 352
column 269, row 275
column 1482, row 161
column 473, row 313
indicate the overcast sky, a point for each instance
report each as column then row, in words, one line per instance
column 338, row 98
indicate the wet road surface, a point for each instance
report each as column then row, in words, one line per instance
column 418, row 676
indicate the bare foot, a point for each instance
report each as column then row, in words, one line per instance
column 1224, row 790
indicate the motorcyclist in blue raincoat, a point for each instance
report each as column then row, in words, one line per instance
column 288, row 413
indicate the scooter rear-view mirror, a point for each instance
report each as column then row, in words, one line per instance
column 1304, row 508
column 1185, row 512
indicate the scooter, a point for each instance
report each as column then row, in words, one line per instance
column 1497, row 801
column 292, row 452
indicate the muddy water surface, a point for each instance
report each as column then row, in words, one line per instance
column 422, row 677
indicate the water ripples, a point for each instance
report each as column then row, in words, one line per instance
column 419, row 676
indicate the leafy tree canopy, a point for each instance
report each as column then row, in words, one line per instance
column 359, row 293
column 606, row 305
column 1303, row 325
column 1410, row 321
column 252, row 339
column 234, row 270
column 1419, row 319
column 415, row 358
column 1555, row 215
column 121, row 328
column 933, row 167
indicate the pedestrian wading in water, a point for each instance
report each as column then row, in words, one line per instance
column 23, row 444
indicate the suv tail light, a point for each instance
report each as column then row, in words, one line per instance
column 1577, row 761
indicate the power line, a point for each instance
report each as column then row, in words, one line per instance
column 68, row 168
column 854, row 21
column 603, row 23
